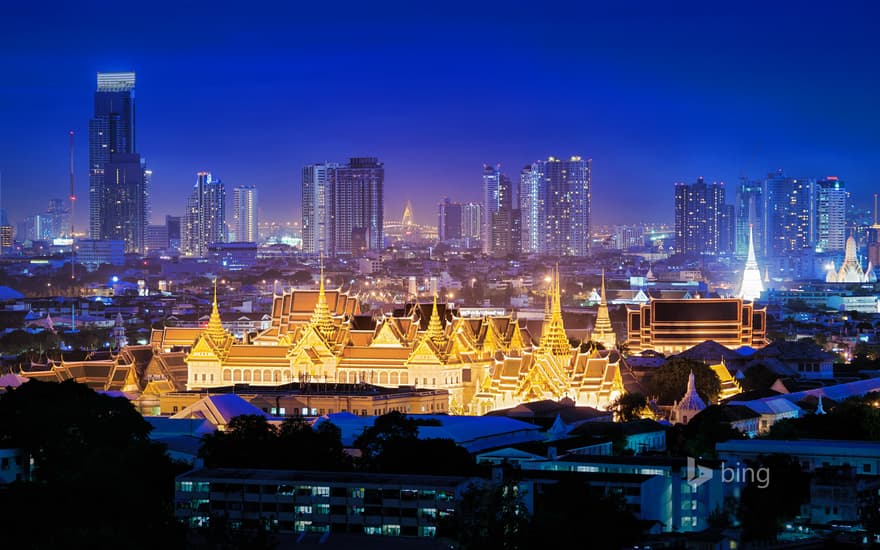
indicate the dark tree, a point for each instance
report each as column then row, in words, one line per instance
column 566, row 510
column 392, row 444
column 764, row 507
column 629, row 406
column 670, row 381
column 251, row 442
column 488, row 517
column 758, row 377
column 93, row 460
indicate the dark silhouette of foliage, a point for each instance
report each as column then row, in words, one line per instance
column 251, row 442
column 758, row 377
column 488, row 517
column 629, row 406
column 392, row 444
column 101, row 477
column 763, row 510
column 670, row 381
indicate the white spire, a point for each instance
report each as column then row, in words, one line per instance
column 752, row 287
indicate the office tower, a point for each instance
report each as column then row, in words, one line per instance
column 6, row 238
column 123, row 203
column 59, row 218
column 356, row 208
column 629, row 236
column 530, row 179
column 830, row 215
column 492, row 181
column 156, row 239
column 449, row 223
column 204, row 220
column 564, row 207
column 472, row 221
column 245, row 225
column 749, row 213
column 505, row 223
column 788, row 214
column 699, row 209
column 315, row 209
column 37, row 227
column 111, row 131
column 727, row 229
column 173, row 225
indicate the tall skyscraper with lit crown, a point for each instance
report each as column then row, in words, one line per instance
column 118, row 179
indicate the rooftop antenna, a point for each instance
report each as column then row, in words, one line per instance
column 72, row 212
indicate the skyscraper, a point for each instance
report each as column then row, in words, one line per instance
column 471, row 221
column 124, row 201
column 315, row 209
column 564, row 198
column 112, row 134
column 204, row 220
column 830, row 215
column 356, row 206
column 448, row 221
column 491, row 184
column 245, row 225
column 749, row 212
column 530, row 179
column 505, row 223
column 788, row 214
column 699, row 211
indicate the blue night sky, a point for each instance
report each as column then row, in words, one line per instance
column 653, row 92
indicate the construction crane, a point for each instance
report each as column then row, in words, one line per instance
column 72, row 212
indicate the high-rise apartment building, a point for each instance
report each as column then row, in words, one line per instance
column 112, row 139
column 492, row 182
column 530, row 179
column 356, row 206
column 204, row 220
column 315, row 208
column 448, row 221
column 789, row 212
column 564, row 198
column 830, row 215
column 245, row 225
column 124, row 201
column 471, row 221
column 699, row 215
column 343, row 207
column 749, row 213
column 505, row 223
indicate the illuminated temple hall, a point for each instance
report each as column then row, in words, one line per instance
column 672, row 326
column 484, row 363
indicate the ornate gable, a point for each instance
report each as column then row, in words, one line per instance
column 386, row 337
column 424, row 353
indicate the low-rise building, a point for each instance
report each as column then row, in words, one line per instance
column 323, row 502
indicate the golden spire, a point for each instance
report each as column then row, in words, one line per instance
column 602, row 330
column 435, row 327
column 553, row 337
column 321, row 318
column 215, row 325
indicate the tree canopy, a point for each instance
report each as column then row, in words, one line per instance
column 251, row 442
column 95, row 470
column 670, row 381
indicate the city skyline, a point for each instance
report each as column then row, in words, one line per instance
column 645, row 106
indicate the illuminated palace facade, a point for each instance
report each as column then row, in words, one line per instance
column 484, row 363
column 672, row 326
